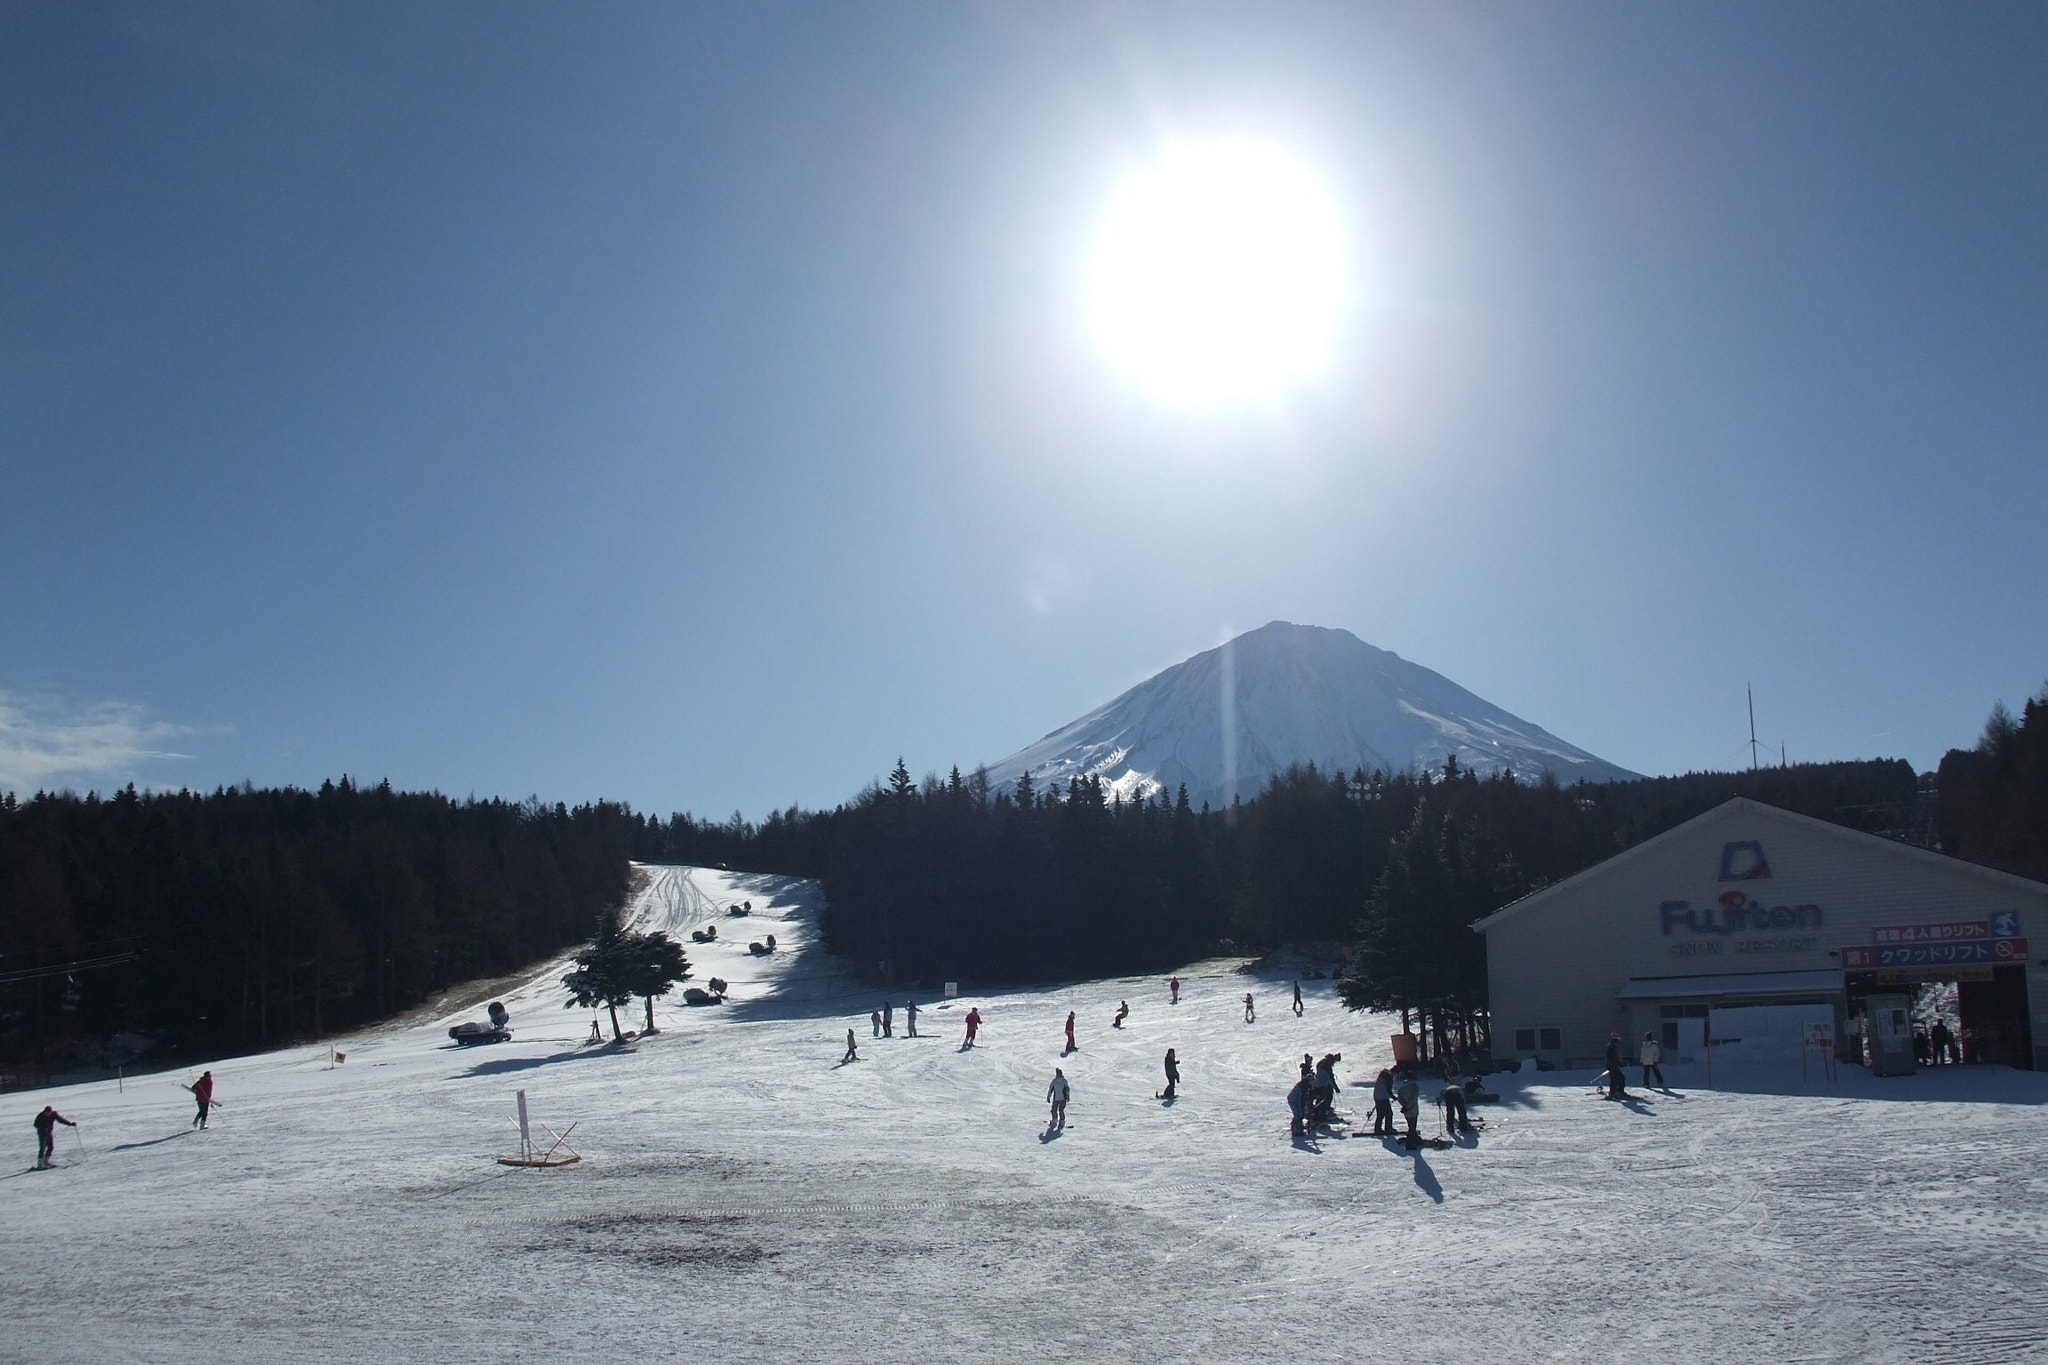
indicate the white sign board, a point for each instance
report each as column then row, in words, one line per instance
column 952, row 989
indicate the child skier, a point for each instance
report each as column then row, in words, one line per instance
column 1409, row 1098
column 46, row 1134
column 851, row 1055
column 1056, row 1094
column 973, row 1025
column 1383, row 1103
column 910, row 1017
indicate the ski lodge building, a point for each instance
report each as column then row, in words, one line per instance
column 1760, row 928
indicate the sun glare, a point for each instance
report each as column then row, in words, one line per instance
column 1219, row 274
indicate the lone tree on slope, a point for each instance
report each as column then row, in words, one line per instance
column 654, row 963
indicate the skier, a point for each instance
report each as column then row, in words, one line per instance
column 1173, row 990
column 1072, row 1046
column 875, row 1023
column 973, row 1025
column 1056, row 1094
column 202, row 1091
column 1457, row 1118
column 851, row 1055
column 1652, row 1055
column 910, row 1017
column 1383, row 1103
column 596, row 1033
column 1307, row 1066
column 888, row 1020
column 1123, row 1012
column 1248, row 1007
column 1297, row 1000
column 1617, row 1083
column 1326, row 1087
column 1297, row 1101
column 1172, row 1077
column 46, row 1134
column 1408, row 1096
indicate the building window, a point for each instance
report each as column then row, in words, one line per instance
column 1671, row 1035
column 1550, row 1040
column 1525, row 1040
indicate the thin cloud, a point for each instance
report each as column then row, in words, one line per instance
column 48, row 746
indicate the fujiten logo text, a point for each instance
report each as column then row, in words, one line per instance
column 1735, row 913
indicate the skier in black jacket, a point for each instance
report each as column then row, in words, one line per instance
column 46, row 1134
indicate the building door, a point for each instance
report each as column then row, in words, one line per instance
column 1996, row 1027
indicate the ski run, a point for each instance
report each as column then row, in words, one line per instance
column 747, row 1196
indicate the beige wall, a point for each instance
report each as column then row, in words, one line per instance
column 1563, row 961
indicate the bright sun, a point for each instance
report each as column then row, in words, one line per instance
column 1219, row 274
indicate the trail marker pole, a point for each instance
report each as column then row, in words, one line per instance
column 525, row 1137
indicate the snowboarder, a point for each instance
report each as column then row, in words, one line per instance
column 1457, row 1118
column 1173, row 990
column 1172, row 1077
column 46, row 1134
column 910, row 1017
column 973, row 1025
column 1072, row 1046
column 875, row 1023
column 1248, row 1007
column 1297, row 1000
column 1652, row 1055
column 202, row 1091
column 1056, row 1095
column 1123, row 1012
column 1383, row 1103
column 851, row 1055
column 1408, row 1096
column 888, row 1020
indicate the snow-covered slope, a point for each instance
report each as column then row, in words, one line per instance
column 1227, row 719
column 744, row 1197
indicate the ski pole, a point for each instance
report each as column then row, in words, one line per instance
column 79, row 1140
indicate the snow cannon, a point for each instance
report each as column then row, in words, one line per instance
column 499, row 1030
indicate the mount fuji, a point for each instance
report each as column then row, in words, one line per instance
column 1226, row 720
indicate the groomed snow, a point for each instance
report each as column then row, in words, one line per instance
column 744, row 1198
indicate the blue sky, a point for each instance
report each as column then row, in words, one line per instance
column 692, row 404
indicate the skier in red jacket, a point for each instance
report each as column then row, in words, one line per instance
column 202, row 1090
column 1072, row 1046
column 973, row 1024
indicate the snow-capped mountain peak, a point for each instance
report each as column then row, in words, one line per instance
column 1229, row 718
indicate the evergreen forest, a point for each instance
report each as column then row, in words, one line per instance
column 249, row 918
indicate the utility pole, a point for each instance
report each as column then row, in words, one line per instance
column 1750, row 692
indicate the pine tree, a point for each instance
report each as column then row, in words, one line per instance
column 655, row 964
column 606, row 974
